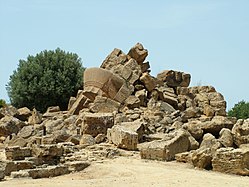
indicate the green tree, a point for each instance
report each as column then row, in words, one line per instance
column 2, row 103
column 44, row 80
column 240, row 110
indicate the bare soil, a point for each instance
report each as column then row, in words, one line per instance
column 132, row 171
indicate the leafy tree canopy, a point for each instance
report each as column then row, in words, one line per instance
column 2, row 103
column 240, row 110
column 47, row 79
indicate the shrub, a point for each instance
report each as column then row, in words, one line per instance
column 47, row 79
column 2, row 103
column 240, row 110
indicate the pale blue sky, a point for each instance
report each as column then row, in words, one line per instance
column 208, row 39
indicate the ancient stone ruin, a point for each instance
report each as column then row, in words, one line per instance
column 123, row 108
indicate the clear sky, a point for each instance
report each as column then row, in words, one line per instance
column 208, row 39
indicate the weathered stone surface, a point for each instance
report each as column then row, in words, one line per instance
column 110, row 84
column 148, row 81
column 115, row 57
column 97, row 123
column 77, row 165
column 233, row 161
column 87, row 139
column 185, row 157
column 132, row 102
column 202, row 158
column 193, row 143
column 208, row 111
column 104, row 105
column 17, row 153
column 168, row 95
column 17, row 165
column 50, row 171
column 35, row 118
column 209, row 141
column 142, row 96
column 16, row 141
column 216, row 124
column 138, row 53
column 71, row 102
column 9, row 125
column 194, row 128
column 191, row 112
column 26, row 131
column 174, row 78
column 123, row 137
column 57, row 137
column 49, row 154
column 51, row 111
column 145, row 67
column 166, row 149
column 226, row 137
column 2, row 170
column 130, row 71
column 135, row 126
column 241, row 132
column 80, row 103
column 23, row 114
column 160, row 106
column 1, row 115
column 100, row 138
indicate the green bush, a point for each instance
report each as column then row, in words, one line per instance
column 2, row 103
column 240, row 110
column 47, row 79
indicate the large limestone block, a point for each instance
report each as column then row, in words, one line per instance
column 50, row 171
column 17, row 153
column 104, row 105
column 174, row 78
column 166, row 149
column 97, row 123
column 194, row 128
column 148, row 81
column 23, row 114
column 9, row 125
column 2, row 170
column 47, row 151
column 142, row 96
column 81, row 102
column 226, row 137
column 233, row 161
column 209, row 141
column 18, row 165
column 35, row 118
column 138, row 53
column 132, row 102
column 216, row 124
column 123, row 137
column 241, row 132
column 87, row 139
column 26, row 131
column 202, row 158
column 110, row 84
column 115, row 57
column 135, row 126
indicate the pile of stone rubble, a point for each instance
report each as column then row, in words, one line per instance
column 123, row 107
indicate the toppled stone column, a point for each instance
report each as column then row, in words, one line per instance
column 106, row 84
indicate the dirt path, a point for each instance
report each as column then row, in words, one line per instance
column 125, row 171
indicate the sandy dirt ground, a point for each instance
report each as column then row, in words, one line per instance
column 130, row 171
